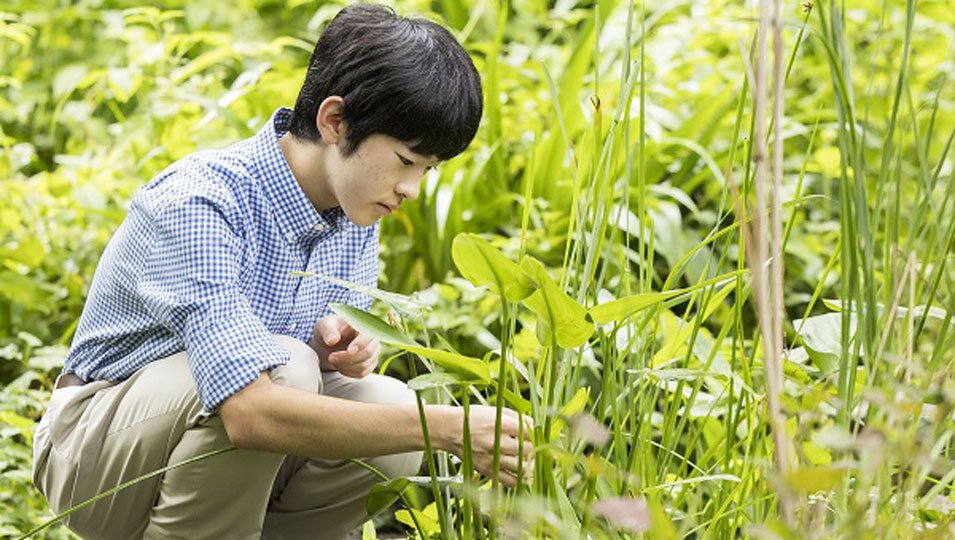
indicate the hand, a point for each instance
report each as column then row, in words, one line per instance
column 481, row 421
column 341, row 348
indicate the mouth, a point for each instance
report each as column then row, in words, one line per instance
column 383, row 208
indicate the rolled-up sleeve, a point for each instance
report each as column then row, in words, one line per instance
column 366, row 270
column 190, row 284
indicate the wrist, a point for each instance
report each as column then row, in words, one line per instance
column 444, row 427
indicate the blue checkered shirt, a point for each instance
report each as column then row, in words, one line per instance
column 202, row 264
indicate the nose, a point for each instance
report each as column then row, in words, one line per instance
column 410, row 188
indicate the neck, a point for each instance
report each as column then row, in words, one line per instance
column 307, row 162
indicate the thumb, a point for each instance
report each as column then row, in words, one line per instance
column 329, row 330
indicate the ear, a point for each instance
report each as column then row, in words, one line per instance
column 329, row 120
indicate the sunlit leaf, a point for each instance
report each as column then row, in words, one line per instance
column 368, row 324
column 571, row 408
column 561, row 314
column 484, row 265
column 403, row 303
column 458, row 363
column 617, row 310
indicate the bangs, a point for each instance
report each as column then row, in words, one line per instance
column 439, row 122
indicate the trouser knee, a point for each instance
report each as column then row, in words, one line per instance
column 302, row 370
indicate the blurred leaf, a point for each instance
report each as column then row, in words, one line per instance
column 625, row 513
column 571, row 408
column 813, row 479
column 124, row 82
column 21, row 290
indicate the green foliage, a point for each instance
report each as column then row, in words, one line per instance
column 610, row 255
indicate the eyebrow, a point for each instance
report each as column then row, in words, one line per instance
column 414, row 160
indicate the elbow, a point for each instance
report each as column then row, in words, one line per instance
column 240, row 415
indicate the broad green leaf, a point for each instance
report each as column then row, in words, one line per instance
column 822, row 337
column 617, row 310
column 484, row 265
column 559, row 313
column 572, row 407
column 366, row 323
column 517, row 402
column 427, row 518
column 676, row 339
column 383, row 494
column 457, row 363
column 817, row 455
column 813, row 479
column 24, row 425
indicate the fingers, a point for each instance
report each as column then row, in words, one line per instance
column 359, row 359
column 328, row 329
column 510, row 424
column 510, row 446
column 507, row 472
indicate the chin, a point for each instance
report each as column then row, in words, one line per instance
column 361, row 219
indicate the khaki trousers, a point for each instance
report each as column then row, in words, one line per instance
column 97, row 436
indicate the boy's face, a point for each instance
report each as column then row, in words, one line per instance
column 375, row 179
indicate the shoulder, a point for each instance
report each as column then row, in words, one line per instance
column 218, row 179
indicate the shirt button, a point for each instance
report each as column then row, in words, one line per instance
column 290, row 237
column 319, row 227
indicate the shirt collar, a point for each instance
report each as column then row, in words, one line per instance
column 296, row 216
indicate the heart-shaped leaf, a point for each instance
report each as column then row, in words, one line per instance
column 383, row 494
column 564, row 319
column 484, row 265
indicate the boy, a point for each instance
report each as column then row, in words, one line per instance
column 195, row 336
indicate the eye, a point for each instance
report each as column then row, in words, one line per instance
column 405, row 161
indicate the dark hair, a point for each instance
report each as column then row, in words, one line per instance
column 404, row 77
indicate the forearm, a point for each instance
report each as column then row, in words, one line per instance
column 285, row 420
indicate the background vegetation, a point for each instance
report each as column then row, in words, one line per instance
column 616, row 149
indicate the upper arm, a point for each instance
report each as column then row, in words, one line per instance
column 190, row 284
